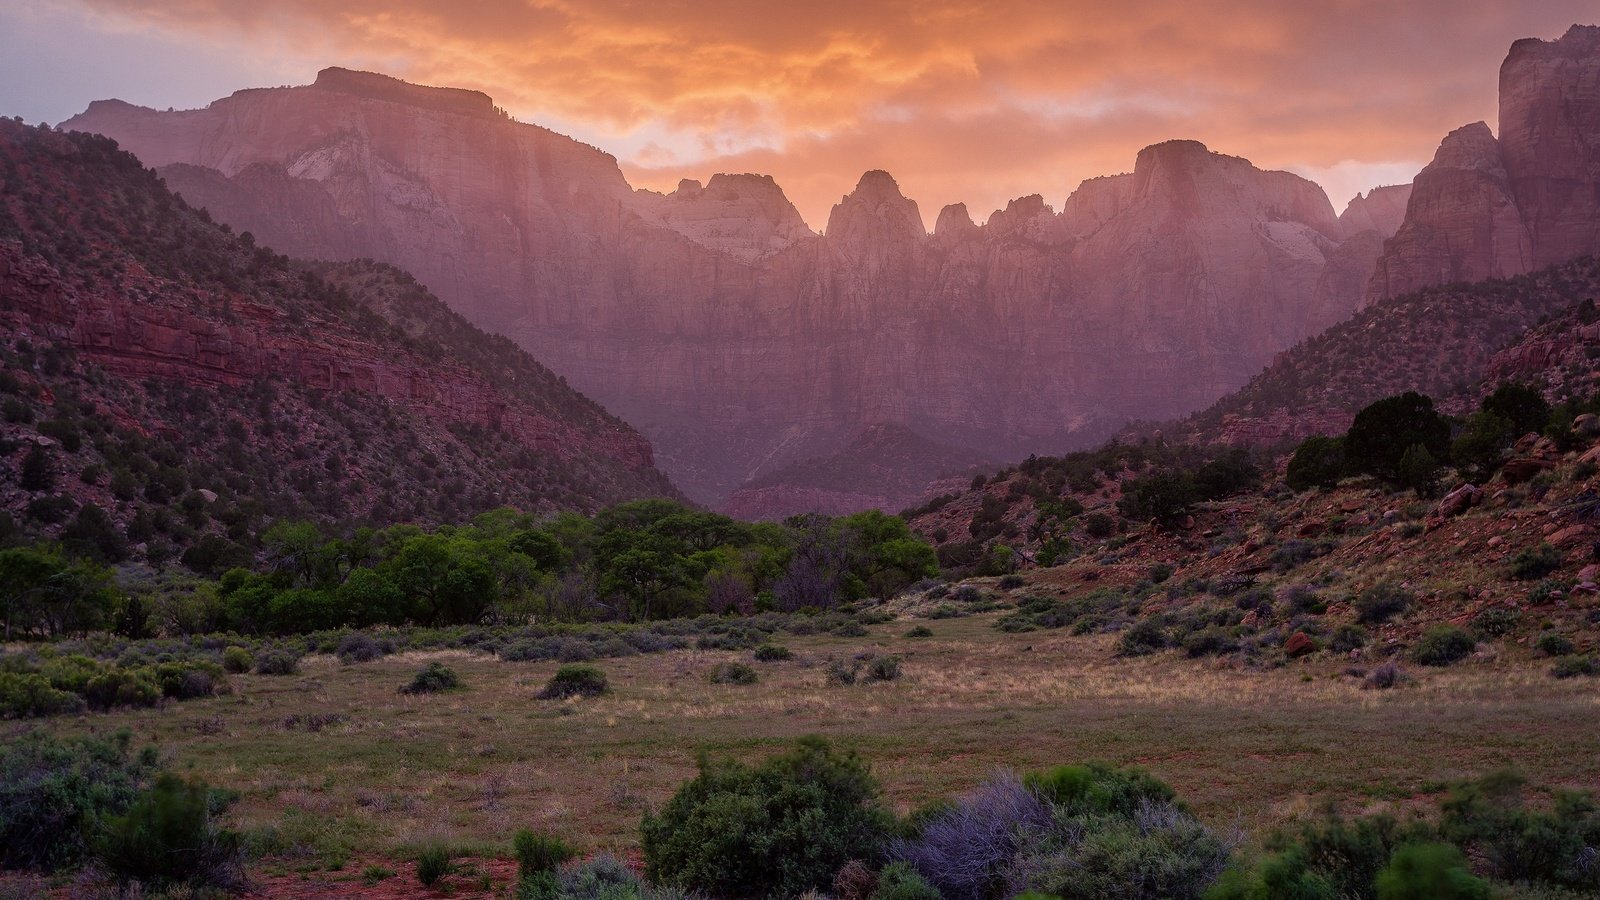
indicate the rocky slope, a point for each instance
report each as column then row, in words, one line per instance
column 156, row 362
column 738, row 340
column 1488, row 208
column 885, row 467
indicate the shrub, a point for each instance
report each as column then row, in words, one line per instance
column 236, row 660
column 1383, row 677
column 1442, row 645
column 966, row 849
column 1384, row 431
column 434, row 678
column 898, row 881
column 1496, row 622
column 1158, row 852
column 537, row 852
column 1159, row 573
column 575, row 680
column 168, row 837
column 1283, row 876
column 1210, row 641
column 1535, row 562
column 1429, row 872
column 733, row 673
column 882, row 668
column 52, row 791
column 781, row 828
column 433, row 863
column 122, row 687
column 920, row 631
column 773, row 653
column 1346, row 638
column 1318, row 462
column 1575, row 666
column 1381, row 602
column 1010, row 582
column 1553, row 645
column 1164, row 497
column 277, row 662
column 25, row 695
column 1096, row 788
column 360, row 647
column 606, row 878
column 1142, row 638
column 1491, row 821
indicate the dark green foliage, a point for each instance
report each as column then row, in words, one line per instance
column 1492, row 821
column 1143, row 637
column 1382, row 433
column 433, row 864
column 1524, row 408
column 1382, row 602
column 1429, row 872
column 1535, row 562
column 168, row 837
column 1099, row 525
column 899, row 881
column 1347, row 637
column 1553, row 645
column 52, row 791
column 1483, row 445
column 1575, row 666
column 773, row 653
column 774, row 830
column 435, row 678
column 537, row 852
column 1418, row 471
column 1282, row 876
column 277, row 662
column 1496, row 621
column 38, row 470
column 1097, row 788
column 1442, row 645
column 1230, row 473
column 237, row 660
column 575, row 680
column 882, row 668
column 920, row 631
column 1164, row 497
column 733, row 673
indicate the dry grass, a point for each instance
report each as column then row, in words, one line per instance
column 473, row 766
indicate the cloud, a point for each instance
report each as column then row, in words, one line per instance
column 961, row 101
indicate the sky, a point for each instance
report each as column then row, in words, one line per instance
column 975, row 102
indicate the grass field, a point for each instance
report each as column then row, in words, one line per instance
column 343, row 764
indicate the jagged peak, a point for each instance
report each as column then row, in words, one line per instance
column 1579, row 40
column 954, row 220
column 1468, row 147
column 877, row 195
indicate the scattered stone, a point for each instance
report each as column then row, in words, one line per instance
column 1522, row 468
column 207, row 495
column 1299, row 644
column 1459, row 501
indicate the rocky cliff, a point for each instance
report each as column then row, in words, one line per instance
column 737, row 339
column 182, row 334
column 1488, row 207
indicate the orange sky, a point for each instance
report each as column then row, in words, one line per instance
column 974, row 102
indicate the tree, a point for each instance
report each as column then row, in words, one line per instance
column 1418, row 471
column 38, row 473
column 1520, row 405
column 1318, row 462
column 1383, row 432
column 444, row 577
column 1481, row 447
column 1165, row 497
column 44, row 594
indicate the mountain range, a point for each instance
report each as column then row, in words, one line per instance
column 741, row 342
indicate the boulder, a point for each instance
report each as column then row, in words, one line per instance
column 1299, row 644
column 1522, row 468
column 1459, row 501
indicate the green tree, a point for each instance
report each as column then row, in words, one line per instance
column 1383, row 432
column 1318, row 462
column 38, row 470
column 44, row 594
column 1520, row 405
column 444, row 577
column 1418, row 471
column 1481, row 447
column 1165, row 497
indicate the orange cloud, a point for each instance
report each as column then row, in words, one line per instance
column 960, row 101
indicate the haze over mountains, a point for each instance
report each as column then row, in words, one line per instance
column 739, row 341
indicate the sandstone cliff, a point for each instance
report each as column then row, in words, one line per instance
column 1492, row 208
column 737, row 339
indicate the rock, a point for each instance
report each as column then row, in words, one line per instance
column 1587, row 425
column 1522, row 468
column 1496, row 541
column 1299, row 644
column 1381, row 211
column 1590, row 572
column 1526, row 444
column 1311, row 529
column 1459, row 501
column 1571, row 536
column 207, row 495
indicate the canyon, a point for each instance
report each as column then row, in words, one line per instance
column 740, row 341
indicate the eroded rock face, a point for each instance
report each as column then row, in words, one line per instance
column 1380, row 210
column 733, row 336
column 1492, row 208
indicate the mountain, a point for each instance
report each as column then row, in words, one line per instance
column 1492, row 208
column 885, row 467
column 189, row 385
column 714, row 320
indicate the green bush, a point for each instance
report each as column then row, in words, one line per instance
column 1381, row 602
column 1142, row 638
column 898, row 881
column 920, row 631
column 1550, row 644
column 53, row 791
column 237, row 660
column 733, row 673
column 777, row 829
column 1347, row 637
column 277, row 662
column 882, row 668
column 1442, row 645
column 1097, row 788
column 1318, row 462
column 538, row 853
column 1384, row 431
column 1491, row 820
column 25, row 695
column 1430, row 872
column 122, row 687
column 1496, row 622
column 575, row 680
column 773, row 653
column 1282, row 876
column 435, row 678
column 1535, row 562
column 433, row 864
column 168, row 837
column 1575, row 666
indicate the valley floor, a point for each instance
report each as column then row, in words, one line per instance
column 346, row 769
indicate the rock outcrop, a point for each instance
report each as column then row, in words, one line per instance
column 737, row 339
column 1381, row 210
column 1493, row 208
